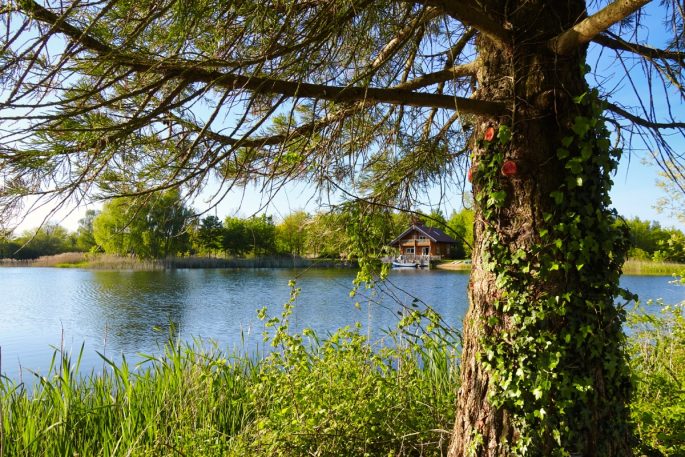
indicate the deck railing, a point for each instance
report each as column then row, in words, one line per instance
column 413, row 258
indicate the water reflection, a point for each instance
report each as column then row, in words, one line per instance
column 117, row 312
column 129, row 309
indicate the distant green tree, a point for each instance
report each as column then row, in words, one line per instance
column 646, row 237
column 50, row 239
column 434, row 219
column 167, row 219
column 291, row 233
column 210, row 235
column 401, row 221
column 152, row 229
column 234, row 238
column 672, row 249
column 261, row 234
column 117, row 228
column 9, row 247
column 326, row 236
column 460, row 227
column 85, row 239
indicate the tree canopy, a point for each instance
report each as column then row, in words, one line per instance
column 116, row 98
column 380, row 100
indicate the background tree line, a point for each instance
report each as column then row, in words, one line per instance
column 168, row 228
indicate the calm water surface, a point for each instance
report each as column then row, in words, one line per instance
column 128, row 313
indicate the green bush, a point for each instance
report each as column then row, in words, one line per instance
column 341, row 396
column 657, row 345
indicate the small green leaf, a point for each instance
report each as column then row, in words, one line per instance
column 504, row 134
column 581, row 125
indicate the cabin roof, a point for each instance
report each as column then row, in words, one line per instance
column 433, row 233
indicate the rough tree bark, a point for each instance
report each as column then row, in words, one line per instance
column 544, row 89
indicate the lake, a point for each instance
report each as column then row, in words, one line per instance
column 130, row 312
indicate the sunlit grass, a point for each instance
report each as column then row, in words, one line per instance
column 652, row 268
column 335, row 396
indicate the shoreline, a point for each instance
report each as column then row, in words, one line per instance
column 631, row 267
column 111, row 262
column 101, row 261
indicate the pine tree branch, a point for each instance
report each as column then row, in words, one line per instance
column 471, row 16
column 616, row 43
column 391, row 47
column 457, row 71
column 643, row 122
column 193, row 73
column 587, row 29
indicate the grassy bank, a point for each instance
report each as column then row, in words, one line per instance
column 114, row 262
column 631, row 267
column 339, row 395
column 652, row 268
column 101, row 261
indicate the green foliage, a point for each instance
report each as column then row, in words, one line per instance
column 154, row 228
column 291, row 233
column 461, row 229
column 50, row 239
column 210, row 234
column 85, row 238
column 651, row 241
column 657, row 347
column 343, row 396
column 260, row 233
column 544, row 363
column 339, row 395
column 234, row 236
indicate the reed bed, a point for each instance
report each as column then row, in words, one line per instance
column 334, row 396
column 100, row 261
column 652, row 268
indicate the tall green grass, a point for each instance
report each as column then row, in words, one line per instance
column 657, row 347
column 652, row 268
column 338, row 395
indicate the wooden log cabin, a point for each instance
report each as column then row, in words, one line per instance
column 419, row 240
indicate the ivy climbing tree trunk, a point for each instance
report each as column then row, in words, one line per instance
column 543, row 365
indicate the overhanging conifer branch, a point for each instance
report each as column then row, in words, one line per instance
column 642, row 121
column 618, row 44
column 470, row 16
column 587, row 29
column 264, row 85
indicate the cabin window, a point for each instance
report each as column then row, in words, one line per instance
column 409, row 251
column 422, row 237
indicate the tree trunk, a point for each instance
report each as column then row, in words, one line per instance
column 543, row 367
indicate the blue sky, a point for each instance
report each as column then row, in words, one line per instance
column 634, row 194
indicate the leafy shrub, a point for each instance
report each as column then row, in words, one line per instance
column 658, row 363
column 341, row 396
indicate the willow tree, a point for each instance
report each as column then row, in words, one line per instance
column 381, row 100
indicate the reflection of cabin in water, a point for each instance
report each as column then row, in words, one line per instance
column 420, row 240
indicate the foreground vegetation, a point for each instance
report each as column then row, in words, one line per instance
column 333, row 396
column 338, row 395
